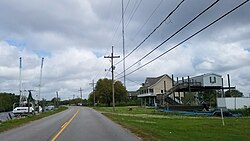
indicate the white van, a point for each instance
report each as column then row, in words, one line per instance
column 22, row 110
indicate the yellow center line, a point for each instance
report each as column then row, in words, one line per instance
column 64, row 126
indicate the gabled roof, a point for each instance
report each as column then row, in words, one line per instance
column 150, row 81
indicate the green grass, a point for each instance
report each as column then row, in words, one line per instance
column 6, row 125
column 151, row 125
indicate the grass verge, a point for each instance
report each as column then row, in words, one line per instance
column 6, row 125
column 151, row 125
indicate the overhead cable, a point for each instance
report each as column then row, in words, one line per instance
column 218, row 19
column 210, row 6
column 152, row 32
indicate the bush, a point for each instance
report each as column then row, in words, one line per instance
column 243, row 112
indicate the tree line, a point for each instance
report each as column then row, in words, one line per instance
column 7, row 100
column 103, row 94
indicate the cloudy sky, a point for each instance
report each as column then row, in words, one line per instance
column 74, row 35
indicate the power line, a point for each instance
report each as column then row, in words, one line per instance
column 107, row 72
column 159, row 4
column 210, row 6
column 190, row 36
column 130, row 79
column 152, row 31
column 133, row 13
column 116, row 29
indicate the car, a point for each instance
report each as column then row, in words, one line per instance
column 23, row 110
column 49, row 108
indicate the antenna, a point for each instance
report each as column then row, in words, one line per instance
column 40, row 83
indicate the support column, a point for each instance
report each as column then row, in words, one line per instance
column 228, row 79
column 222, row 90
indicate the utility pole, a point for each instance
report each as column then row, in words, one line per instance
column 20, row 81
column 57, row 99
column 93, row 85
column 81, row 94
column 112, row 70
column 123, row 46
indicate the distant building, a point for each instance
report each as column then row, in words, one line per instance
column 132, row 94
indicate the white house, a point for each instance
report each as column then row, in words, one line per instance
column 208, row 80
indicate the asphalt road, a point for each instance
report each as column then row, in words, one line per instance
column 74, row 124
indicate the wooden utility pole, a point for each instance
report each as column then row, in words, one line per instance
column 57, row 105
column 93, row 85
column 20, row 82
column 112, row 70
column 81, row 94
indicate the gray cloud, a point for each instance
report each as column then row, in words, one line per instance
column 74, row 35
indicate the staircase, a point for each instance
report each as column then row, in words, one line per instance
column 171, row 101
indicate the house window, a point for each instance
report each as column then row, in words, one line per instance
column 212, row 79
column 162, row 91
column 151, row 90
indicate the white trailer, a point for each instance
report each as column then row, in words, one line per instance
column 208, row 80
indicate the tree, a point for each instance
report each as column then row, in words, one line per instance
column 103, row 92
column 233, row 93
column 7, row 100
column 55, row 101
column 120, row 92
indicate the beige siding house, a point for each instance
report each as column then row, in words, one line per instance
column 155, row 85
column 153, row 88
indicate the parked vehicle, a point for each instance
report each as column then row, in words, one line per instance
column 23, row 110
column 49, row 108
